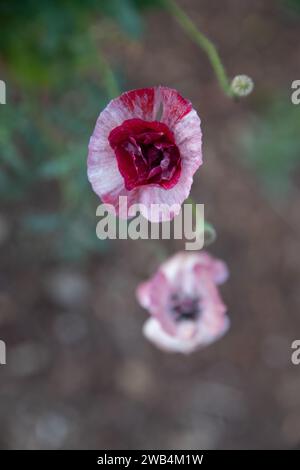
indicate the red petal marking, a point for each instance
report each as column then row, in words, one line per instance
column 146, row 153
column 143, row 97
column 175, row 107
column 131, row 127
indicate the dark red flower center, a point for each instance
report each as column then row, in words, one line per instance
column 184, row 308
column 146, row 153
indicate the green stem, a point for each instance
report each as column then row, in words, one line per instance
column 108, row 78
column 201, row 40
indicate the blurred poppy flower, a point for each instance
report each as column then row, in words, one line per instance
column 185, row 306
column 146, row 145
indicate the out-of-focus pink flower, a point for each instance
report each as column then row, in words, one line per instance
column 185, row 306
column 147, row 146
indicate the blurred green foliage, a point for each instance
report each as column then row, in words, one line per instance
column 43, row 42
column 43, row 167
column 293, row 5
column 58, row 81
column 272, row 147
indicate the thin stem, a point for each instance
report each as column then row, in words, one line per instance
column 201, row 40
column 108, row 78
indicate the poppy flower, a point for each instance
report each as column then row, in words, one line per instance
column 182, row 298
column 146, row 146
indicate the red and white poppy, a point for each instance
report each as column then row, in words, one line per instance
column 146, row 146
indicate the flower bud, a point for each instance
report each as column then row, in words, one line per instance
column 242, row 85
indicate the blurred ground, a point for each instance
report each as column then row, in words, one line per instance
column 79, row 373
